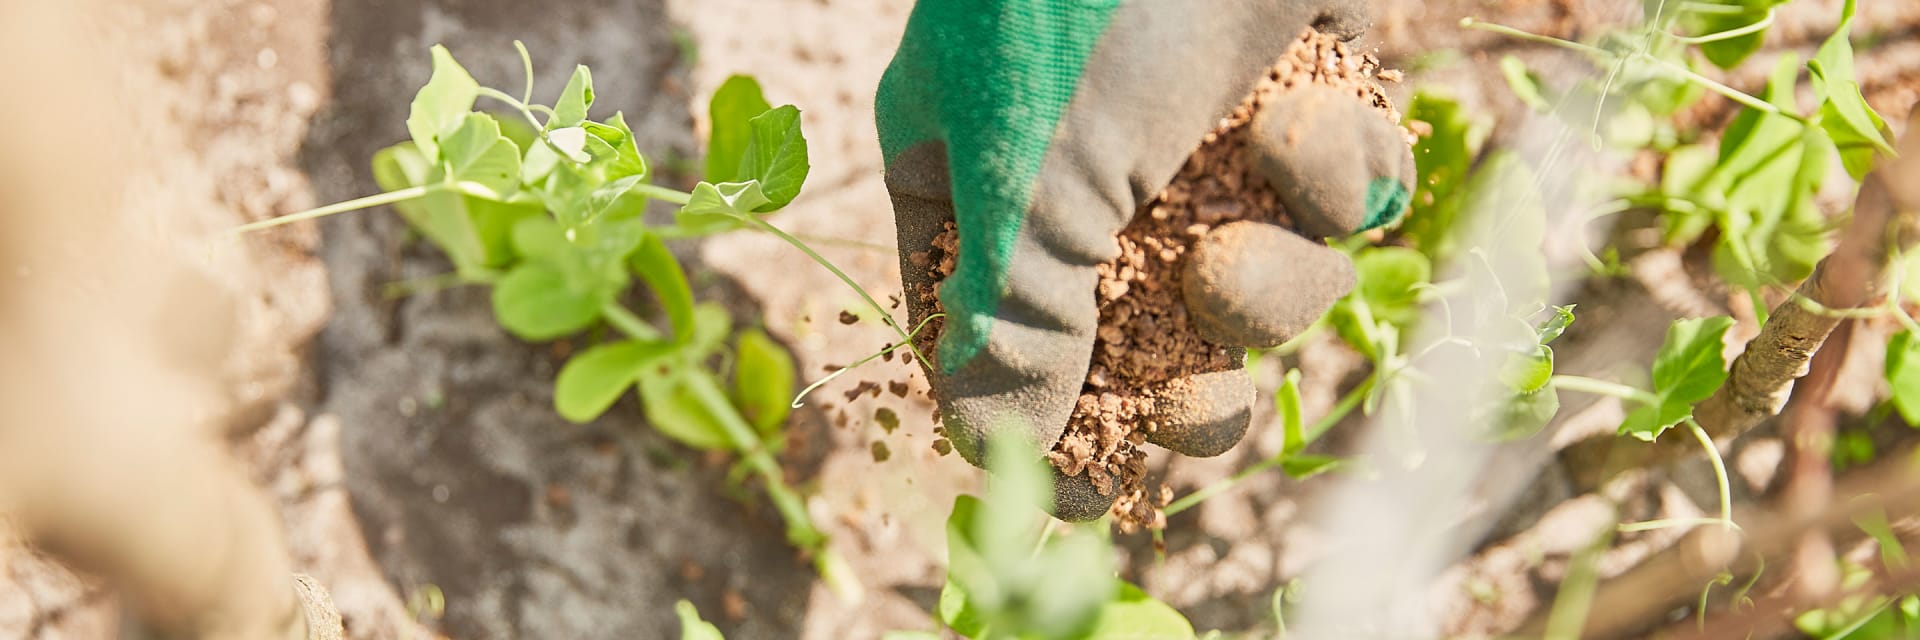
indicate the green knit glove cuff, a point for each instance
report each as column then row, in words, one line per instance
column 992, row 80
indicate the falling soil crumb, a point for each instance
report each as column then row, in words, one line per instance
column 847, row 317
column 865, row 386
column 733, row 605
column 880, row 452
column 887, row 419
column 898, row 388
column 1145, row 345
column 942, row 446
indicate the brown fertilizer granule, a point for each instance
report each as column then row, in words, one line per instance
column 1145, row 344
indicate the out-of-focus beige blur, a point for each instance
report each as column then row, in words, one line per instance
column 117, row 346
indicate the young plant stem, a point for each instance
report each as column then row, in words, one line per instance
column 526, row 111
column 526, row 69
column 1730, row 34
column 870, row 358
column 800, row 529
column 429, row 284
column 1475, row 23
column 1568, row 615
column 658, row 192
column 1663, row 523
column 1719, row 472
column 1601, row 388
column 1676, row 70
column 1312, row 432
column 905, row 337
column 626, row 322
column 355, row 204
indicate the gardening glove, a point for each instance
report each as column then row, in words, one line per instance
column 1038, row 127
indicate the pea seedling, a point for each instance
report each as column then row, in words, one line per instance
column 545, row 205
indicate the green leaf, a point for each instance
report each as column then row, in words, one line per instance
column 477, row 153
column 1858, row 132
column 610, row 199
column 1301, row 467
column 522, row 134
column 711, row 325
column 538, row 302
column 954, row 610
column 571, row 142
column 1771, row 166
column 539, row 162
column 440, row 216
column 762, row 381
column 1390, row 279
column 734, row 103
column 1528, row 373
column 667, row 398
column 1387, row 294
column 1834, row 59
column 593, row 379
column 1286, row 401
column 541, row 238
column 1755, row 137
column 727, row 199
column 657, row 266
column 1688, row 368
column 1556, row 326
column 1443, row 159
column 1903, row 375
column 1772, row 231
column 575, row 99
column 1630, row 127
column 600, row 140
column 442, row 104
column 1134, row 615
column 494, row 221
column 691, row 626
column 1525, row 414
column 626, row 159
column 776, row 156
column 1729, row 53
column 998, row 582
column 606, row 243
column 1662, row 92
column 1684, row 178
column 1524, row 83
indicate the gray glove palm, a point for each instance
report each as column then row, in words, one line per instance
column 1039, row 128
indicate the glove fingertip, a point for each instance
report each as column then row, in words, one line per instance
column 1077, row 499
column 1203, row 415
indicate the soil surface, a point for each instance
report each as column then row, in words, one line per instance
column 431, row 425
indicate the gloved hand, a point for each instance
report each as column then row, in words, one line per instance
column 1040, row 126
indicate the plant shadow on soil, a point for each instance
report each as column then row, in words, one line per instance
column 461, row 473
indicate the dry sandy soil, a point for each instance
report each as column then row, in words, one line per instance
column 409, row 441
